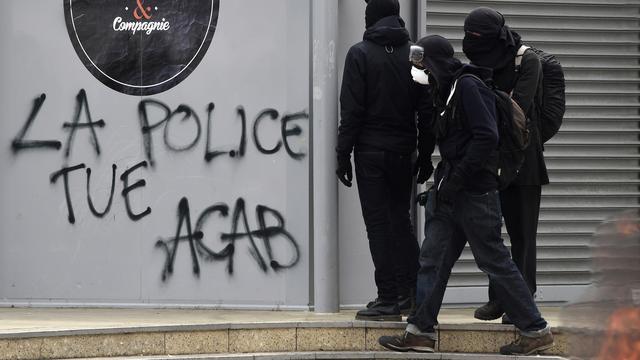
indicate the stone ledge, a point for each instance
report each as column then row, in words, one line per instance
column 320, row 338
column 258, row 325
column 338, row 355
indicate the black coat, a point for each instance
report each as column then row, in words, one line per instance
column 470, row 143
column 379, row 99
column 527, row 92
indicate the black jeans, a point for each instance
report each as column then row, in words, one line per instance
column 521, row 210
column 385, row 188
column 474, row 218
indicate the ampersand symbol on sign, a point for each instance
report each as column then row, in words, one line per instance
column 141, row 12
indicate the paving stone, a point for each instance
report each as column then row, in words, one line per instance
column 474, row 341
column 561, row 346
column 344, row 355
column 411, row 355
column 331, row 339
column 197, row 342
column 337, row 355
column 262, row 340
column 477, row 357
column 20, row 349
column 102, row 345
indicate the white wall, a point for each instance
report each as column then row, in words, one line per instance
column 258, row 59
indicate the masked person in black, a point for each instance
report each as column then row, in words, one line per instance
column 463, row 206
column 378, row 104
column 489, row 42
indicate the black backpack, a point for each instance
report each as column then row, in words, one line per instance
column 513, row 131
column 552, row 107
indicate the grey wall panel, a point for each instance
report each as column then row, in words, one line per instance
column 258, row 59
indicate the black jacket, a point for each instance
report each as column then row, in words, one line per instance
column 469, row 146
column 527, row 92
column 379, row 99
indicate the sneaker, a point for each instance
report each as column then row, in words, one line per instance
column 380, row 311
column 506, row 320
column 528, row 345
column 408, row 342
column 406, row 304
column 489, row 311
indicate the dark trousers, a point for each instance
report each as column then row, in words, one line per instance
column 474, row 218
column 521, row 210
column 385, row 187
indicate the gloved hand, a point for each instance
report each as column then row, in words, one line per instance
column 449, row 187
column 423, row 169
column 344, row 170
column 422, row 198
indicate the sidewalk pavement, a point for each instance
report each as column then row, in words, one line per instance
column 22, row 321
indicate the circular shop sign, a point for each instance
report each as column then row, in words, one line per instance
column 141, row 47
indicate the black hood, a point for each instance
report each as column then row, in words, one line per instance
column 485, row 74
column 439, row 61
column 487, row 40
column 388, row 31
column 378, row 9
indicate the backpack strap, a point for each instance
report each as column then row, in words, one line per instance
column 453, row 92
column 519, row 55
column 455, row 84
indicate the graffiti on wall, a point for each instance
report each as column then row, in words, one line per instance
column 154, row 120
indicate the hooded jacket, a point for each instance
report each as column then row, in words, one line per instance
column 469, row 143
column 378, row 98
column 489, row 42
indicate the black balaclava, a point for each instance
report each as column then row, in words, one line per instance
column 442, row 66
column 378, row 9
column 487, row 40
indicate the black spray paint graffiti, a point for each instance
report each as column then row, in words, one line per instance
column 126, row 190
column 288, row 129
column 19, row 143
column 195, row 237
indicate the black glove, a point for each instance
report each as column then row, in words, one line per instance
column 423, row 169
column 449, row 187
column 344, row 170
column 422, row 198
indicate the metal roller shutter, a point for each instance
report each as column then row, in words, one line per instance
column 594, row 160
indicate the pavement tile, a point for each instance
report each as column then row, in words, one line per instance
column 477, row 357
column 20, row 349
column 103, row 345
column 344, row 355
column 331, row 339
column 262, row 340
column 561, row 346
column 197, row 342
column 412, row 355
column 325, row 324
column 473, row 341
column 383, row 324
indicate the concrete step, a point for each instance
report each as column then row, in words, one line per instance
column 337, row 355
column 314, row 337
column 75, row 333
